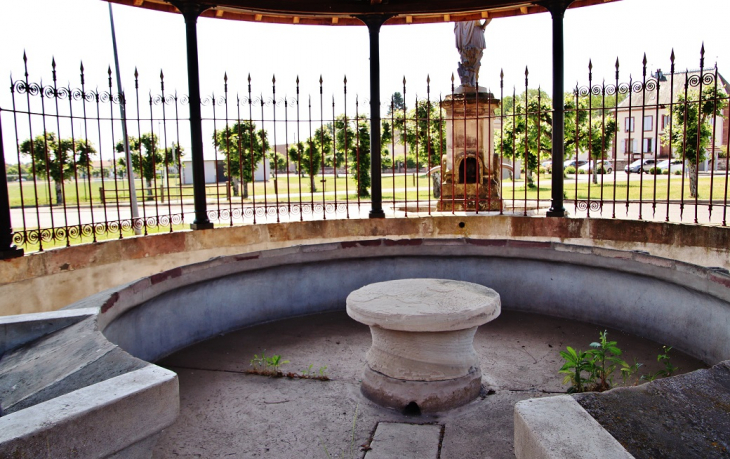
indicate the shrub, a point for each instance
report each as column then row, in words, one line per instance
column 581, row 171
column 677, row 172
column 665, row 172
column 570, row 170
column 655, row 171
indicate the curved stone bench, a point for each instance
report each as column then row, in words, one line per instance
column 680, row 304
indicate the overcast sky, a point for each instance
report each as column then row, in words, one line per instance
column 75, row 30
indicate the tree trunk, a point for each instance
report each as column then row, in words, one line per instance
column 595, row 172
column 59, row 192
column 149, row 190
column 234, row 187
column 692, row 171
column 244, row 189
column 311, row 181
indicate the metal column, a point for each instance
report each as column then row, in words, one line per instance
column 191, row 11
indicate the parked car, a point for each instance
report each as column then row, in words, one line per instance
column 639, row 166
column 547, row 164
column 572, row 162
column 603, row 167
column 664, row 165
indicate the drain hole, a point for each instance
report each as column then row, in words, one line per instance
column 462, row 224
column 412, row 409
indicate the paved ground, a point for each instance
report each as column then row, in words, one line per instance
column 227, row 413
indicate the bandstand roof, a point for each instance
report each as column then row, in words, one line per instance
column 343, row 12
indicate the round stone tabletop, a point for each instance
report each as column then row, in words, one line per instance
column 424, row 305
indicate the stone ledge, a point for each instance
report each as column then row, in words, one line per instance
column 559, row 428
column 119, row 415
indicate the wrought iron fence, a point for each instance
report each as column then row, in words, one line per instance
column 273, row 158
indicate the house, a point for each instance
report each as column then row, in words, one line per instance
column 642, row 124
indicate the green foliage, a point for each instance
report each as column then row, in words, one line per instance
column 605, row 358
column 570, row 170
column 527, row 131
column 148, row 157
column 581, row 171
column 576, row 363
column 267, row 365
column 243, row 147
column 691, row 135
column 309, row 155
column 594, row 370
column 668, row 370
column 353, row 138
column 424, row 131
column 396, row 103
column 57, row 158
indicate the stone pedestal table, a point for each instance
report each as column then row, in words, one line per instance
column 423, row 332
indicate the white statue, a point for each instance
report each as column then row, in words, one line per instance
column 470, row 43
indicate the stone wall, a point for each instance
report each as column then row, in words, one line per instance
column 56, row 278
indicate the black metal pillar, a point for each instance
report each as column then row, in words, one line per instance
column 7, row 249
column 557, row 10
column 191, row 11
column 376, row 192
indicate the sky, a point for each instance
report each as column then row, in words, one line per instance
column 78, row 30
column 72, row 31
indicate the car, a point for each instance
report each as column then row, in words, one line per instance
column 603, row 167
column 676, row 165
column 572, row 163
column 547, row 164
column 639, row 166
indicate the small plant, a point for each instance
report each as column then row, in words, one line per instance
column 593, row 370
column 581, row 171
column 576, row 362
column 677, row 172
column 570, row 170
column 669, row 368
column 271, row 366
column 628, row 371
column 604, row 361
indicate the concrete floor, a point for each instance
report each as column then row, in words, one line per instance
column 227, row 413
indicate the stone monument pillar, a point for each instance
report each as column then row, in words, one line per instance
column 470, row 167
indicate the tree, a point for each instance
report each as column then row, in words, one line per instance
column 396, row 103
column 353, row 138
column 57, row 158
column 148, row 157
column 243, row 148
column 309, row 155
column 528, row 129
column 527, row 132
column 691, row 133
column 596, row 138
column 424, row 131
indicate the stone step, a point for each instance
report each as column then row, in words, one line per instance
column 405, row 441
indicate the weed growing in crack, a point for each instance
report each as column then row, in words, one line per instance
column 271, row 366
column 593, row 370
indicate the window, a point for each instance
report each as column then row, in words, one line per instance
column 648, row 144
column 648, row 122
column 665, row 121
column 629, row 145
column 629, row 124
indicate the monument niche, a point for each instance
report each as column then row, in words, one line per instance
column 470, row 168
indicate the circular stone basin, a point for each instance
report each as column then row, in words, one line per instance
column 423, row 332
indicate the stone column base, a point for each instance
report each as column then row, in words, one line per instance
column 430, row 396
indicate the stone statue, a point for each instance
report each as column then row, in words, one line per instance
column 470, row 43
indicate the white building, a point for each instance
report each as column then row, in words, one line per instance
column 215, row 171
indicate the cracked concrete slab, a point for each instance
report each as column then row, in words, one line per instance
column 225, row 412
column 405, row 441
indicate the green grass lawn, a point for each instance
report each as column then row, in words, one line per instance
column 398, row 188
